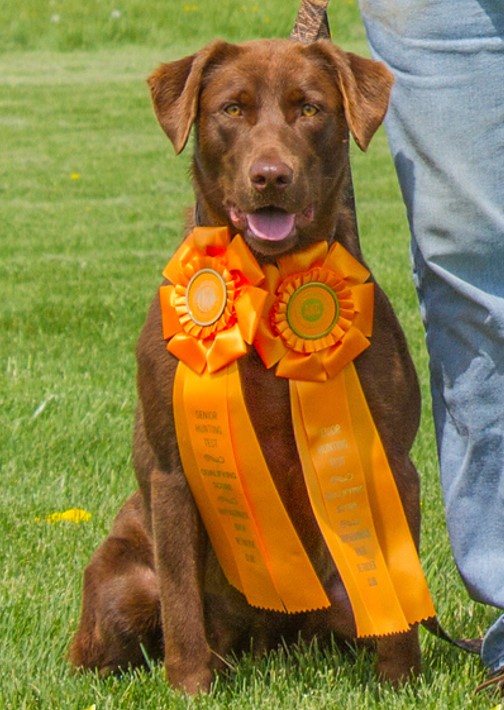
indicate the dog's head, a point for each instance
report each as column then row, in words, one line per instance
column 272, row 122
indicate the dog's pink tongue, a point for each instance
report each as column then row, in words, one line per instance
column 271, row 224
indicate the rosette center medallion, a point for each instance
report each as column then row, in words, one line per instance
column 313, row 310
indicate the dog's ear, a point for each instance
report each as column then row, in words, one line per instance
column 366, row 93
column 365, row 86
column 175, row 89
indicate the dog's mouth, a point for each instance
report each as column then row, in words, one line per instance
column 269, row 224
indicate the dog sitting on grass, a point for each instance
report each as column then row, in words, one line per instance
column 272, row 122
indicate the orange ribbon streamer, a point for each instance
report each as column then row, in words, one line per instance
column 313, row 317
column 251, row 533
column 357, row 506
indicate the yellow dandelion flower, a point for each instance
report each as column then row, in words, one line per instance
column 73, row 515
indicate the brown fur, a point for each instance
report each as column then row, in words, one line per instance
column 156, row 570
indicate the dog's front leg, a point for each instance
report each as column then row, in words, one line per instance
column 179, row 544
column 398, row 656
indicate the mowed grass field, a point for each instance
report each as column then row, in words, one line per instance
column 92, row 203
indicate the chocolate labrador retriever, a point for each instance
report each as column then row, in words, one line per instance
column 272, row 123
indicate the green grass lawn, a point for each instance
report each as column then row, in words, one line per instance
column 92, row 202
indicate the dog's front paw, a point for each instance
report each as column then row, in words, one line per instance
column 190, row 681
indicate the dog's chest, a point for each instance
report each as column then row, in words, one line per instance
column 268, row 404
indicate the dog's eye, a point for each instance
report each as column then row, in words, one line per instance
column 233, row 110
column 309, row 110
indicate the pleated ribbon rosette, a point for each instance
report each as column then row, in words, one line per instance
column 211, row 309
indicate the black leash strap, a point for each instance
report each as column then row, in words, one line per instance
column 468, row 645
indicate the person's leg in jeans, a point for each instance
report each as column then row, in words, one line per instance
column 446, row 131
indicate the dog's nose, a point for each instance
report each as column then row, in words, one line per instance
column 270, row 173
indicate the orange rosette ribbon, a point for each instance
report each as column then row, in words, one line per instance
column 211, row 309
column 210, row 312
column 319, row 313
column 317, row 320
column 311, row 316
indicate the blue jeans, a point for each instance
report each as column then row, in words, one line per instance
column 446, row 132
